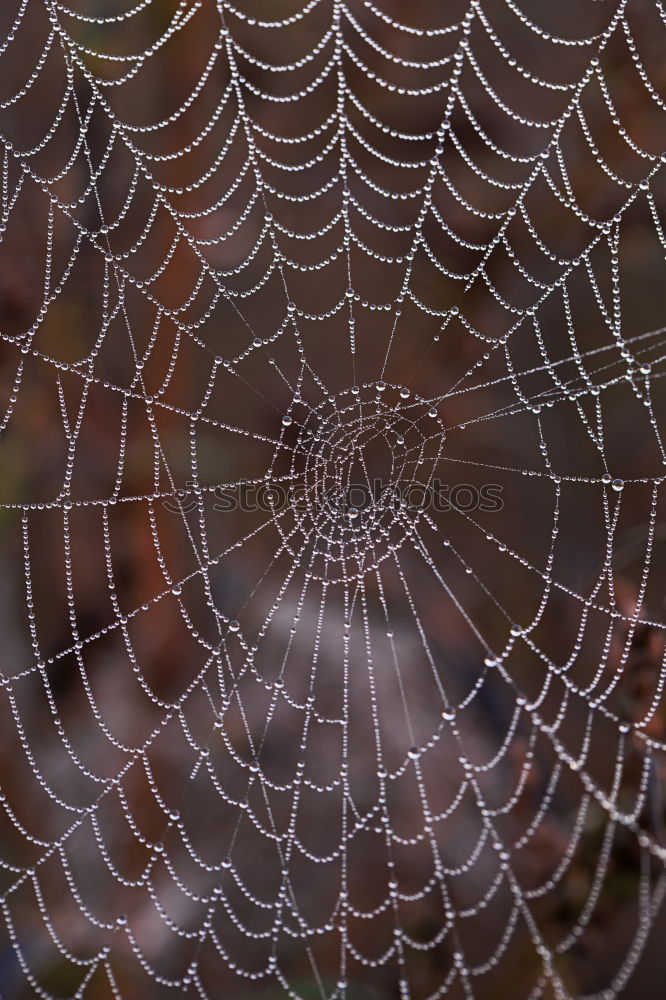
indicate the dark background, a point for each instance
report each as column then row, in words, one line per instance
column 96, row 566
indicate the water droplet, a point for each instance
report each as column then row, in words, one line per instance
column 286, row 421
column 234, row 626
column 618, row 484
column 404, row 392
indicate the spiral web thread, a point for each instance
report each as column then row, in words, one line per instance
column 337, row 178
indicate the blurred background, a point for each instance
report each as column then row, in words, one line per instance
column 238, row 745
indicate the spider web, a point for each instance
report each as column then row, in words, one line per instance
column 336, row 491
